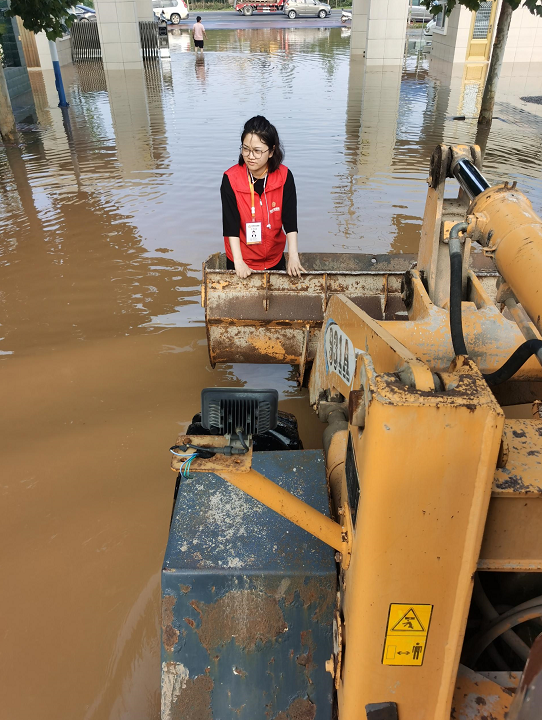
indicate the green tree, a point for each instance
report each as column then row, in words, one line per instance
column 499, row 44
column 50, row 16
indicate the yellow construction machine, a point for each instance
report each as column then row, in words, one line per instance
column 398, row 576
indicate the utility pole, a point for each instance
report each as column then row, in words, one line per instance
column 63, row 103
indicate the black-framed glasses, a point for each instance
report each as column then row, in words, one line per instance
column 246, row 151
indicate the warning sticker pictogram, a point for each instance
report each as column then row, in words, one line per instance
column 406, row 634
column 409, row 621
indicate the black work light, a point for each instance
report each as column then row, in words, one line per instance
column 234, row 411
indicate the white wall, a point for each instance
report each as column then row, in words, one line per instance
column 524, row 42
column 450, row 44
column 63, row 47
column 524, row 38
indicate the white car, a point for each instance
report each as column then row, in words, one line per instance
column 428, row 29
column 174, row 10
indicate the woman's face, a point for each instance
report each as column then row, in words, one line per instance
column 256, row 165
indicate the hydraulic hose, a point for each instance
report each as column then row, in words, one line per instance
column 488, row 611
column 456, row 289
column 519, row 357
column 499, row 626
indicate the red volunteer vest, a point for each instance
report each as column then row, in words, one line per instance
column 269, row 252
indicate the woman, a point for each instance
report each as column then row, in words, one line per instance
column 258, row 201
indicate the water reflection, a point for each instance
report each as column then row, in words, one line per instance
column 200, row 69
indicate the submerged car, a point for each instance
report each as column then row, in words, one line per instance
column 306, row 8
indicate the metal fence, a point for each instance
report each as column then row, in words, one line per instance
column 85, row 40
column 148, row 32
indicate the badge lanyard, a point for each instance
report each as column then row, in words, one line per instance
column 254, row 229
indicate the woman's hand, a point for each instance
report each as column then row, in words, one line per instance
column 242, row 269
column 294, row 265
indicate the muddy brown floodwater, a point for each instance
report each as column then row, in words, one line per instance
column 105, row 221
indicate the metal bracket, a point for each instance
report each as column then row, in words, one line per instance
column 266, row 292
column 216, row 464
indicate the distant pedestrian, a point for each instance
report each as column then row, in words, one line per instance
column 199, row 33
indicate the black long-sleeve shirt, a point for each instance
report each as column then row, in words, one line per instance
column 231, row 220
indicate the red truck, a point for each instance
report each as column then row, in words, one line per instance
column 249, row 7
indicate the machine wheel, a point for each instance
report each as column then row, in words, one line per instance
column 292, row 14
column 322, row 14
column 175, row 18
column 247, row 10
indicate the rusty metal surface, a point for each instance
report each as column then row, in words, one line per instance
column 336, row 262
column 265, row 317
column 512, row 538
column 522, row 474
column 478, row 698
column 247, row 601
column 527, row 704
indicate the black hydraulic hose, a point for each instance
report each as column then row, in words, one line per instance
column 488, row 611
column 518, row 358
column 480, row 642
column 456, row 289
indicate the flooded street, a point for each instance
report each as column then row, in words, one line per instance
column 105, row 221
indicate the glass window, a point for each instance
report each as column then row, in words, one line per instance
column 157, row 3
column 440, row 19
column 481, row 21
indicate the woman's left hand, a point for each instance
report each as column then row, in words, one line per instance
column 294, row 265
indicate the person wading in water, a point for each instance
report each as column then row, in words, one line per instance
column 259, row 205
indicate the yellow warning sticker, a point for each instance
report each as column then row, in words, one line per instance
column 406, row 634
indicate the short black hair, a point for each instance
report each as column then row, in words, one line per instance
column 198, row 18
column 260, row 126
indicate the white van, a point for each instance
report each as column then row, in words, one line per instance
column 174, row 10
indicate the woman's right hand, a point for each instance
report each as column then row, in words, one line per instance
column 242, row 269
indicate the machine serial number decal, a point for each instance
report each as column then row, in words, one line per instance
column 406, row 634
column 339, row 351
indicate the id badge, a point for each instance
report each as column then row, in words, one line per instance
column 254, row 233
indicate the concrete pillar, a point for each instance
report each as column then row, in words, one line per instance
column 118, row 26
column 379, row 30
column 144, row 10
column 358, row 38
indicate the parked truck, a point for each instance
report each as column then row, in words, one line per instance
column 259, row 7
